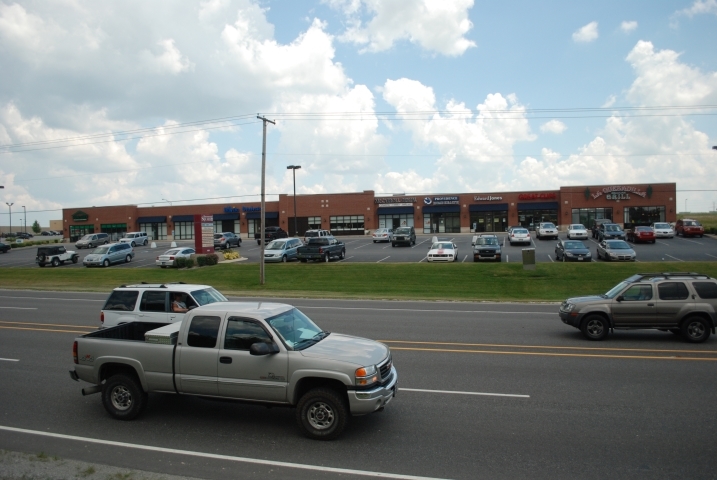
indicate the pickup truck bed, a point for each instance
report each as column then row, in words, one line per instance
column 133, row 331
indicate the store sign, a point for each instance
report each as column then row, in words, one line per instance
column 537, row 196
column 487, row 198
column 251, row 209
column 384, row 205
column 231, row 210
column 393, row 201
column 618, row 193
column 204, row 233
column 441, row 201
column 80, row 216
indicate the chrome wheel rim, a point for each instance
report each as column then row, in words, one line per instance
column 696, row 330
column 121, row 398
column 595, row 328
column 321, row 416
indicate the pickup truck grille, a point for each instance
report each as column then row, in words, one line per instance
column 385, row 368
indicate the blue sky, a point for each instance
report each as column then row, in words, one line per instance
column 500, row 87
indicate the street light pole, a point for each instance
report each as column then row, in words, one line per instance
column 685, row 205
column 170, row 214
column 293, row 168
column 9, row 206
column 262, row 234
column 25, row 215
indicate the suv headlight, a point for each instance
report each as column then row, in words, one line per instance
column 366, row 376
column 568, row 307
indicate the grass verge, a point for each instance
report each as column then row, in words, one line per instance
column 421, row 281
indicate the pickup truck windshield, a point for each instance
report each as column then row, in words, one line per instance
column 486, row 241
column 296, row 329
column 207, row 296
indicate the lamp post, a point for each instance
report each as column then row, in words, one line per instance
column 685, row 205
column 9, row 206
column 24, row 210
column 294, row 168
column 170, row 214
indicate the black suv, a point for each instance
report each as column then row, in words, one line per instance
column 404, row 236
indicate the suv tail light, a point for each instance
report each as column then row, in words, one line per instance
column 74, row 352
column 102, row 317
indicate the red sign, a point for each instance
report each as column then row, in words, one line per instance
column 537, row 196
column 204, row 233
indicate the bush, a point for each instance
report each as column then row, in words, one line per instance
column 212, row 259
column 201, row 260
column 189, row 262
column 230, row 255
column 181, row 262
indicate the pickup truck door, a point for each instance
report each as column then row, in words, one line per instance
column 197, row 356
column 242, row 375
column 636, row 306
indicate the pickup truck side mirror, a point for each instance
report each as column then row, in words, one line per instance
column 261, row 348
column 620, row 298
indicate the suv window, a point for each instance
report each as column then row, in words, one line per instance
column 203, row 332
column 242, row 334
column 706, row 289
column 153, row 302
column 673, row 291
column 638, row 292
column 121, row 300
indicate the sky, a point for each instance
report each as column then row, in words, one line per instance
column 156, row 102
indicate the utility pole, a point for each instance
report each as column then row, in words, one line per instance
column 25, row 214
column 262, row 234
column 9, row 206
column 296, row 228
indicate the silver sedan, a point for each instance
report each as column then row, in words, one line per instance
column 617, row 250
column 169, row 258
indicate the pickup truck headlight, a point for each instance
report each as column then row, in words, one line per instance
column 366, row 376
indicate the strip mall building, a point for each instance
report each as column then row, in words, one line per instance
column 359, row 213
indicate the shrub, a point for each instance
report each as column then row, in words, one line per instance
column 201, row 260
column 230, row 255
column 189, row 262
column 181, row 262
column 212, row 259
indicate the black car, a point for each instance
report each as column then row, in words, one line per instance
column 487, row 247
column 404, row 236
column 4, row 247
column 572, row 251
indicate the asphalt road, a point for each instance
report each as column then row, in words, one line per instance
column 362, row 249
column 485, row 391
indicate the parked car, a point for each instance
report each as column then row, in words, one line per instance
column 152, row 303
column 404, row 236
column 442, row 252
column 512, row 227
column 45, row 233
column 226, row 240
column 270, row 233
column 23, row 235
column 617, row 250
column 641, row 234
column 572, row 251
column 610, row 231
column 106, row 255
column 577, row 231
column 55, row 255
column 596, row 225
column 382, row 235
column 322, row 249
column 663, row 230
column 92, row 240
column 486, row 247
column 689, row 228
column 282, row 250
column 169, row 258
column 681, row 303
column 519, row 235
column 546, row 230
column 135, row 238
column 316, row 233
column 4, row 247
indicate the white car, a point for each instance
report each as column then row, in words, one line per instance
column 546, row 230
column 442, row 252
column 382, row 235
column 519, row 235
column 135, row 238
column 169, row 258
column 577, row 231
column 663, row 230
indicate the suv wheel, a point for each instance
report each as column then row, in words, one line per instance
column 55, row 262
column 75, row 259
column 145, row 242
column 695, row 329
column 595, row 327
column 133, row 244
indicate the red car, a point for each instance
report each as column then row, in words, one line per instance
column 689, row 228
column 641, row 234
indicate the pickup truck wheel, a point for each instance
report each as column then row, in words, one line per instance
column 322, row 414
column 55, row 262
column 595, row 327
column 327, row 257
column 123, row 398
column 695, row 329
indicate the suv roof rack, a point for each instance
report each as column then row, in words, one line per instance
column 640, row 276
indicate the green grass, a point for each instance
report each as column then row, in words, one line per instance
column 462, row 281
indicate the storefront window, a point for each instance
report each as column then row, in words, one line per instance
column 587, row 216
column 489, row 221
column 395, row 220
column 347, row 225
column 637, row 216
column 531, row 218
column 155, row 231
column 79, row 231
column 115, row 230
column 442, row 223
column 254, row 225
column 184, row 230
column 314, row 223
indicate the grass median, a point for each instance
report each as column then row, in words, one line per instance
column 549, row 282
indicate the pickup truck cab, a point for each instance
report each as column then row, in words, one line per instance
column 321, row 249
column 270, row 233
column 268, row 353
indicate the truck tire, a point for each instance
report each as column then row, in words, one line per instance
column 123, row 397
column 322, row 414
column 595, row 327
column 695, row 329
column 327, row 257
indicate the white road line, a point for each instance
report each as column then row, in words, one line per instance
column 507, row 258
column 551, row 259
column 363, row 246
column 663, row 243
column 454, row 392
column 423, row 310
column 389, row 245
column 256, row 461
column 346, row 258
column 383, row 259
column 692, row 241
column 710, row 255
column 422, row 259
column 9, row 360
column 21, row 308
column 60, row 299
column 674, row 257
column 464, row 259
column 419, row 243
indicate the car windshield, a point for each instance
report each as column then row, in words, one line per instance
column 643, row 229
column 86, row 237
column 691, row 223
column 403, row 231
column 577, row 227
column 207, row 296
column 296, row 329
column 173, row 251
column 486, row 241
column 662, row 225
column 441, row 246
column 612, row 228
column 574, row 245
column 380, row 230
column 276, row 245
column 614, row 291
column 618, row 245
column 101, row 250
column 548, row 225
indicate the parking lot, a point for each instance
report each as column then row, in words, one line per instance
column 362, row 249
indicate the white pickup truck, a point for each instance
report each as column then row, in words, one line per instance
column 268, row 353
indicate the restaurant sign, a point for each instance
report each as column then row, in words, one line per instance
column 618, row 193
column 538, row 196
column 80, row 216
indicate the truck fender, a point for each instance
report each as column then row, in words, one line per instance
column 299, row 375
column 102, row 362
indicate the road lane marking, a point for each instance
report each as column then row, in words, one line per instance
column 455, row 392
column 692, row 241
column 421, row 310
column 343, row 259
column 551, row 259
column 216, row 456
column 464, row 259
column 363, row 246
column 673, row 257
column 61, row 299
column 7, row 322
column 46, row 330
column 383, row 259
column 420, row 243
column 710, row 255
column 9, row 359
column 20, row 308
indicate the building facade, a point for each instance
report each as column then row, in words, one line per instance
column 359, row 212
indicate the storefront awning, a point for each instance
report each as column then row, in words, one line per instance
column 538, row 206
column 394, row 210
column 256, row 215
column 158, row 219
column 226, row 216
column 183, row 218
column 442, row 209
column 489, row 207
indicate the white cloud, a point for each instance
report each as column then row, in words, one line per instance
column 435, row 26
column 700, row 7
column 553, row 126
column 609, row 102
column 628, row 26
column 170, row 60
column 587, row 33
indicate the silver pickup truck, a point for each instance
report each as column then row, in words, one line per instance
column 268, row 353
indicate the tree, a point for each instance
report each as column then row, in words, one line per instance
column 36, row 227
